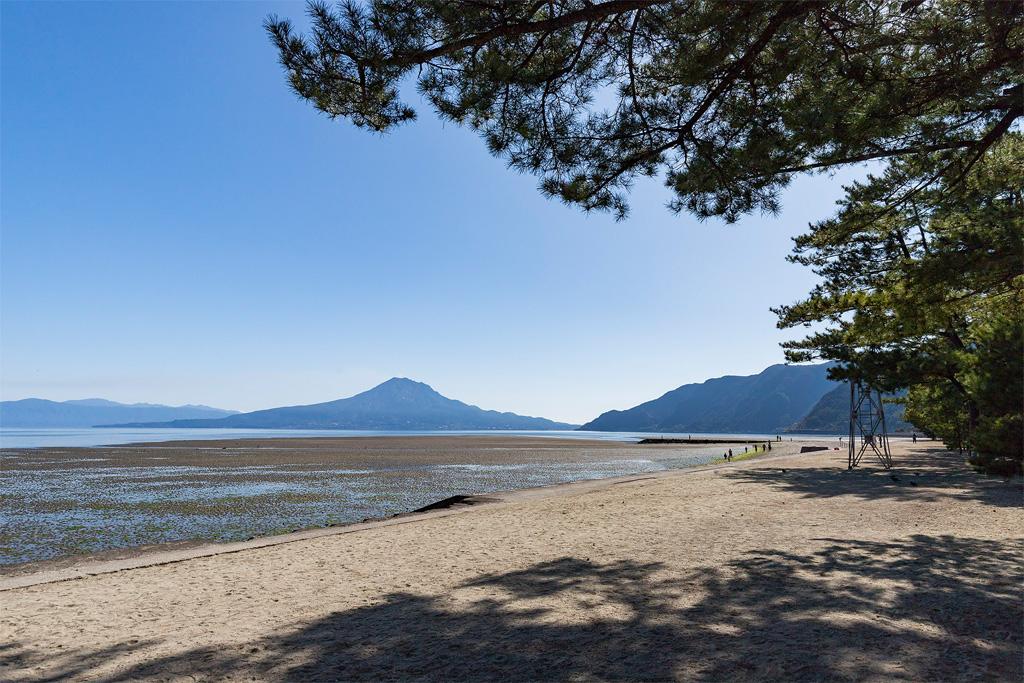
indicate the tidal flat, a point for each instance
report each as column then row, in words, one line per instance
column 65, row 502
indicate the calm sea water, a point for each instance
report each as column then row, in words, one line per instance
column 109, row 436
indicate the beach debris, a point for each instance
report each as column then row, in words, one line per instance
column 456, row 501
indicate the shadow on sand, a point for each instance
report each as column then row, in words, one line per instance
column 925, row 608
column 928, row 475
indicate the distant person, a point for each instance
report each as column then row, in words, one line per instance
column 769, row 445
column 730, row 454
column 914, row 437
column 744, row 449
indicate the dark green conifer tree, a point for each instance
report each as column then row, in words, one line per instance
column 928, row 294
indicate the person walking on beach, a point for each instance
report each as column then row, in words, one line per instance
column 769, row 444
column 914, row 437
column 730, row 455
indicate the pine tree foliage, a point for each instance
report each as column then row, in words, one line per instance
column 928, row 294
column 725, row 100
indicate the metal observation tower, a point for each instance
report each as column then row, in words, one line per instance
column 867, row 421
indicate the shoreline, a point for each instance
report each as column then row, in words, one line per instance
column 173, row 436
column 38, row 572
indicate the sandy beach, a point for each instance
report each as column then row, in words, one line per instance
column 784, row 568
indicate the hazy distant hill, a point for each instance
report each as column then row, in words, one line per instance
column 398, row 404
column 831, row 415
column 766, row 402
column 89, row 412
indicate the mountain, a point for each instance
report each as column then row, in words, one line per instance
column 99, row 402
column 831, row 415
column 763, row 403
column 398, row 404
column 89, row 412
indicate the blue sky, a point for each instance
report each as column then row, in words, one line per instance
column 178, row 227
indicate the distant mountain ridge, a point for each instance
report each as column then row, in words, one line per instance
column 831, row 415
column 90, row 412
column 397, row 404
column 100, row 402
column 781, row 398
column 767, row 402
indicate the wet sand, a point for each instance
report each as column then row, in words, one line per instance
column 64, row 502
column 782, row 569
column 370, row 450
column 315, row 451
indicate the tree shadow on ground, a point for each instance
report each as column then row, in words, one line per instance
column 61, row 665
column 930, row 475
column 924, row 608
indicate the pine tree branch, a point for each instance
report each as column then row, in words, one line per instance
column 785, row 13
column 588, row 14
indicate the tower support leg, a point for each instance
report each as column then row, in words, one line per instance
column 867, row 423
